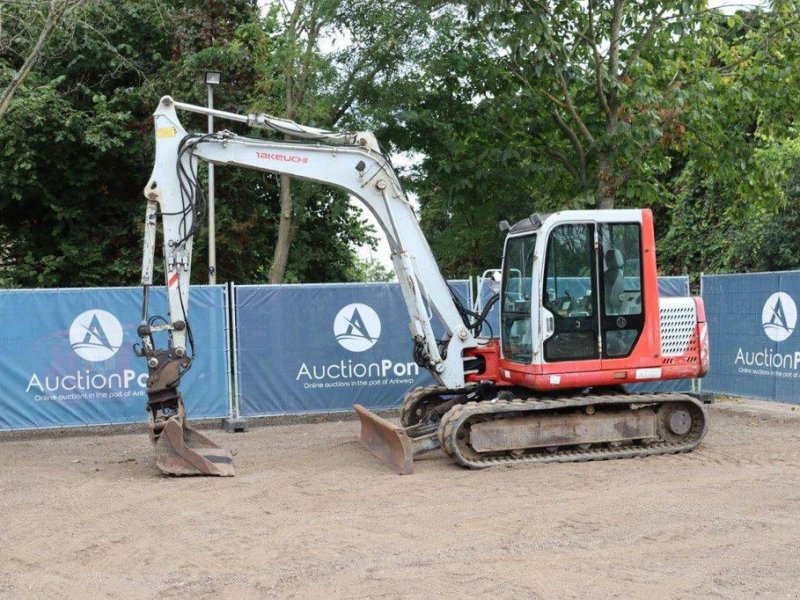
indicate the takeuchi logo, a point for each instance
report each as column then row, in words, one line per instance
column 95, row 335
column 779, row 316
column 357, row 327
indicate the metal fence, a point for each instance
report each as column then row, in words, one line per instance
column 755, row 350
column 320, row 348
column 66, row 356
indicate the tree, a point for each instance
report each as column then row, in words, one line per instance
column 735, row 193
column 606, row 75
column 370, row 270
column 56, row 13
column 298, row 53
column 507, row 108
column 518, row 107
column 78, row 147
column 463, row 118
column 323, row 88
column 73, row 157
column 711, row 232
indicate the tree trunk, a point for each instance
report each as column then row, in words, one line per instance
column 281, row 255
column 606, row 184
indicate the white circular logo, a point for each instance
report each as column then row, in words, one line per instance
column 95, row 335
column 779, row 316
column 357, row 327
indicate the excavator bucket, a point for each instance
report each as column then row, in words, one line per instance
column 181, row 450
column 385, row 440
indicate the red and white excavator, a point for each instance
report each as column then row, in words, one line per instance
column 580, row 316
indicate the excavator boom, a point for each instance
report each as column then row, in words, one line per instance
column 351, row 161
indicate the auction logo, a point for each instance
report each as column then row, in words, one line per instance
column 779, row 316
column 357, row 327
column 95, row 335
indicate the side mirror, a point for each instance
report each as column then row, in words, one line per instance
column 495, row 280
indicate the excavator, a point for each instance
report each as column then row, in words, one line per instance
column 580, row 317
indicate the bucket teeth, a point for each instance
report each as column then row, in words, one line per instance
column 387, row 441
column 182, row 450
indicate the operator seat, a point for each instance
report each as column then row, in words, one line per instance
column 512, row 293
column 613, row 281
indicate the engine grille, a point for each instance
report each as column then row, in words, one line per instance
column 678, row 322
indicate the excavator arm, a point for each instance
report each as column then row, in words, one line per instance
column 352, row 162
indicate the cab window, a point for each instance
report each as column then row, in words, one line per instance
column 623, row 307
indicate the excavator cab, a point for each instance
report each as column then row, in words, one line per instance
column 574, row 290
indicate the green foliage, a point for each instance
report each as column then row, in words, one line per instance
column 706, row 235
column 65, row 217
column 741, row 114
column 736, row 201
column 505, row 107
column 370, row 270
column 516, row 107
column 77, row 149
column 603, row 86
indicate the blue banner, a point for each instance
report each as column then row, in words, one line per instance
column 321, row 348
column 67, row 356
column 673, row 286
column 755, row 348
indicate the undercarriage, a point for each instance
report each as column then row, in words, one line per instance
column 514, row 427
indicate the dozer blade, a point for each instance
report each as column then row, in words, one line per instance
column 185, row 451
column 385, row 440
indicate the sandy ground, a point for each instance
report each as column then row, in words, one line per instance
column 310, row 514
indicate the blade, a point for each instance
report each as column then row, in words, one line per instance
column 185, row 451
column 387, row 441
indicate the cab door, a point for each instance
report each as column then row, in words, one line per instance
column 621, row 290
column 517, row 297
column 570, row 307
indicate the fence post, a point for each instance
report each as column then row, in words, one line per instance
column 235, row 423
column 699, row 381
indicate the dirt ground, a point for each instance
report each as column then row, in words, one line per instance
column 311, row 514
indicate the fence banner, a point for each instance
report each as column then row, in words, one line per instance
column 67, row 356
column 673, row 286
column 755, row 350
column 321, row 348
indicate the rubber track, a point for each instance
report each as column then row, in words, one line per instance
column 457, row 416
column 413, row 396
